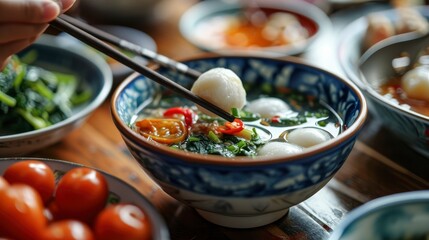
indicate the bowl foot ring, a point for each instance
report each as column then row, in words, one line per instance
column 249, row 221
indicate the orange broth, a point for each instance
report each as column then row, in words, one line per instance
column 239, row 31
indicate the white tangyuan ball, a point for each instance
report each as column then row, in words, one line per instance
column 307, row 137
column 222, row 87
column 268, row 107
column 279, row 149
column 415, row 83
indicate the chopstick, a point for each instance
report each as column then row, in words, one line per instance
column 134, row 48
column 105, row 48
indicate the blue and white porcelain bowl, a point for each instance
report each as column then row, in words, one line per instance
column 409, row 126
column 398, row 216
column 244, row 192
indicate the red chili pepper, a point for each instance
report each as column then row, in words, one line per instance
column 186, row 112
column 275, row 119
column 232, row 127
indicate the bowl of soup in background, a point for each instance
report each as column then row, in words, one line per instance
column 243, row 192
column 398, row 216
column 266, row 28
column 407, row 124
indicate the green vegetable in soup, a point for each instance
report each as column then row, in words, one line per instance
column 228, row 146
column 34, row 98
column 304, row 122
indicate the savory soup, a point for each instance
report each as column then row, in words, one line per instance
column 254, row 28
column 410, row 90
column 273, row 121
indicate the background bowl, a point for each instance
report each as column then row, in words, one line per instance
column 120, row 189
column 398, row 216
column 92, row 71
column 119, row 12
column 244, row 192
column 409, row 126
column 119, row 71
column 311, row 18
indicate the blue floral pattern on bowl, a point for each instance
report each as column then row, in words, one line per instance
column 277, row 184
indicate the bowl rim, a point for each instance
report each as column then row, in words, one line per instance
column 358, row 78
column 107, row 83
column 203, row 9
column 155, row 217
column 420, row 196
column 190, row 157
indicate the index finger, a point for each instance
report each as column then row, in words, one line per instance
column 28, row 11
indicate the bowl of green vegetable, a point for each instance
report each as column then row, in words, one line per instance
column 46, row 91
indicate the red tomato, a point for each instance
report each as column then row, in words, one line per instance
column 68, row 230
column 52, row 213
column 34, row 173
column 122, row 221
column 3, row 183
column 81, row 194
column 21, row 213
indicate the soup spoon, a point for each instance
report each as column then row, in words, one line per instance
column 392, row 56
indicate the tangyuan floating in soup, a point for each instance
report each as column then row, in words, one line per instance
column 281, row 123
column 222, row 87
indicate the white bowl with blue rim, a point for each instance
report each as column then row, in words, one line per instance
column 409, row 126
column 92, row 72
column 120, row 191
column 244, row 192
column 195, row 21
column 397, row 216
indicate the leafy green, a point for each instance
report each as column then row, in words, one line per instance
column 227, row 146
column 33, row 98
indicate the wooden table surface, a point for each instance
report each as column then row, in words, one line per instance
column 380, row 164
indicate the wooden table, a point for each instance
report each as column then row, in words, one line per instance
column 380, row 164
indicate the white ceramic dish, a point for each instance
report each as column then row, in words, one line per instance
column 89, row 67
column 310, row 16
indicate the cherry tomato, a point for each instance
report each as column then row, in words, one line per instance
column 122, row 221
column 52, row 213
column 68, row 230
column 21, row 213
column 167, row 131
column 3, row 183
column 81, row 194
column 36, row 174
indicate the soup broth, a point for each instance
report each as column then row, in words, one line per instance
column 203, row 136
column 393, row 89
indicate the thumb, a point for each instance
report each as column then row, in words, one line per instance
column 25, row 11
column 66, row 4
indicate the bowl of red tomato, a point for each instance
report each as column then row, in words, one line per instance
column 54, row 199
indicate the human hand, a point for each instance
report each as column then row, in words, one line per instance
column 23, row 21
